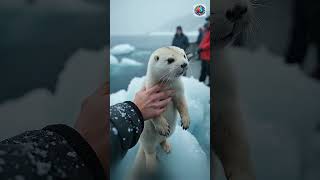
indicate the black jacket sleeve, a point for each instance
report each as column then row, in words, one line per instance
column 60, row 152
column 199, row 38
column 186, row 43
column 55, row 152
column 126, row 126
column 174, row 41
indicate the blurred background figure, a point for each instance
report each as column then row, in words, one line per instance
column 52, row 57
column 36, row 67
column 204, row 54
column 305, row 31
column 200, row 36
column 279, row 103
column 180, row 40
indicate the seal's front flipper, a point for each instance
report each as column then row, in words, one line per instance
column 182, row 108
column 161, row 125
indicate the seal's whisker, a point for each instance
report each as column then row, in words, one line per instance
column 168, row 77
column 190, row 70
column 164, row 75
column 163, row 78
column 164, row 82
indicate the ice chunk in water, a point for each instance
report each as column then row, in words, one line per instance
column 122, row 49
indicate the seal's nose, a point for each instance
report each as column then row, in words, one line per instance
column 236, row 13
column 184, row 65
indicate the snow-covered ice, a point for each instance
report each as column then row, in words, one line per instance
column 189, row 148
column 130, row 62
column 186, row 160
column 122, row 49
column 118, row 66
column 124, row 61
column 113, row 59
column 118, row 97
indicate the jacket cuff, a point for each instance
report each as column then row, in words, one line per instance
column 137, row 124
column 137, row 110
column 127, row 119
column 81, row 147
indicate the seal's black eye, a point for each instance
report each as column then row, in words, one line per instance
column 170, row 60
column 156, row 58
column 185, row 56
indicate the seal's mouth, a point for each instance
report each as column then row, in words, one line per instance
column 227, row 37
column 180, row 73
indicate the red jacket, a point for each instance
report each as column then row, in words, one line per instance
column 205, row 47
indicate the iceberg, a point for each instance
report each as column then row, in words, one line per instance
column 122, row 49
column 130, row 62
column 113, row 60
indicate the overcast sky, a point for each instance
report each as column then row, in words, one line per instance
column 143, row 16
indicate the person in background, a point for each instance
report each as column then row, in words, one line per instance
column 180, row 40
column 305, row 31
column 204, row 54
column 82, row 152
column 200, row 36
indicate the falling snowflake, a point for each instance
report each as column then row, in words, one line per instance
column 115, row 131
column 72, row 154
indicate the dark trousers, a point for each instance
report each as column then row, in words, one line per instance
column 205, row 70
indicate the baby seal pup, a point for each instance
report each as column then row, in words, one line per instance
column 166, row 65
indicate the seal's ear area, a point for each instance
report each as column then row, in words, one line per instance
column 156, row 58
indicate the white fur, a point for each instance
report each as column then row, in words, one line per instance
column 230, row 142
column 151, row 137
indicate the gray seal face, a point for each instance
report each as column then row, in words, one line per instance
column 230, row 18
column 168, row 63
